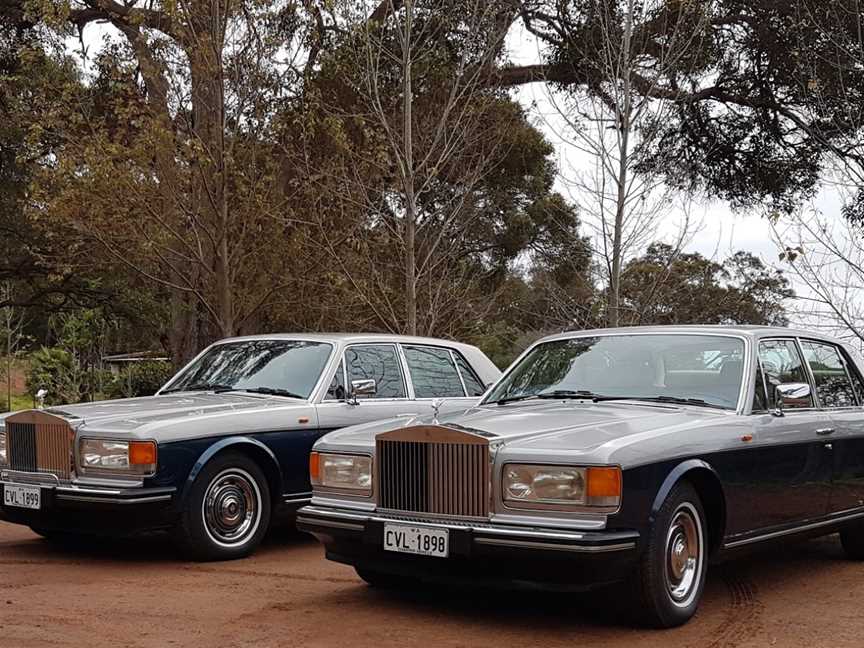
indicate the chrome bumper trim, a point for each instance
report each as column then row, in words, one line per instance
column 91, row 494
column 332, row 523
column 70, row 497
column 552, row 546
column 503, row 536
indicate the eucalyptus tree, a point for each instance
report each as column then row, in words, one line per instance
column 172, row 169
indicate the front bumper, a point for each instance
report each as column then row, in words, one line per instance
column 479, row 552
column 94, row 510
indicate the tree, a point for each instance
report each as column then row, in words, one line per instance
column 180, row 124
column 668, row 287
column 826, row 256
column 430, row 143
column 12, row 336
column 744, row 126
column 613, row 122
column 481, row 177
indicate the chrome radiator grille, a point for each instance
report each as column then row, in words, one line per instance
column 39, row 443
column 433, row 470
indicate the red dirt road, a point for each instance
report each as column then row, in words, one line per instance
column 139, row 594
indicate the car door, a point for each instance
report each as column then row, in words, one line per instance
column 441, row 374
column 787, row 468
column 381, row 362
column 839, row 391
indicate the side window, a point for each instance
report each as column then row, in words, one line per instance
column 472, row 382
column 433, row 373
column 380, row 362
column 336, row 390
column 829, row 374
column 782, row 364
column 855, row 375
column 760, row 403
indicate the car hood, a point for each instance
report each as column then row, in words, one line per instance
column 550, row 430
column 172, row 414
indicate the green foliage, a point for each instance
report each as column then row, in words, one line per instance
column 665, row 287
column 140, row 379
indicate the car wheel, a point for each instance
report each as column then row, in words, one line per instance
column 381, row 580
column 227, row 512
column 671, row 575
column 852, row 539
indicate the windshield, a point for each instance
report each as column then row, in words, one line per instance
column 289, row 367
column 706, row 368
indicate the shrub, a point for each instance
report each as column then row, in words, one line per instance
column 140, row 379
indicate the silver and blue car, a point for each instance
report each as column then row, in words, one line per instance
column 631, row 455
column 223, row 448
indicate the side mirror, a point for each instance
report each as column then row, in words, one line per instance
column 789, row 393
column 364, row 387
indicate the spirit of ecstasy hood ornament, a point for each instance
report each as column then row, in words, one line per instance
column 436, row 406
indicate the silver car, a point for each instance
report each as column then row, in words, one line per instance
column 602, row 456
column 223, row 448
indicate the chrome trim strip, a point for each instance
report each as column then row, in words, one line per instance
column 337, row 514
column 556, row 547
column 113, row 500
column 331, row 523
column 798, row 529
column 552, row 535
column 296, row 500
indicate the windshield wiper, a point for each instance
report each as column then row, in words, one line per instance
column 271, row 391
column 570, row 393
column 599, row 398
column 662, row 399
column 684, row 401
column 558, row 393
column 200, row 387
column 513, row 399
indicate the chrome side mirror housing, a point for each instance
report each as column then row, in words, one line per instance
column 362, row 387
column 789, row 392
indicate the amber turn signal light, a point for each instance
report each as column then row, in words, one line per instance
column 604, row 482
column 142, row 453
column 314, row 467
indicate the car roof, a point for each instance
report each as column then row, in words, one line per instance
column 347, row 337
column 743, row 330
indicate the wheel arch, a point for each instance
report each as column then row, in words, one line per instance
column 710, row 489
column 253, row 449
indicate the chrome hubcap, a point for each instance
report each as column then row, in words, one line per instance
column 683, row 555
column 232, row 507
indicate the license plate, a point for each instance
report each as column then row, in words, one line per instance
column 29, row 497
column 424, row 541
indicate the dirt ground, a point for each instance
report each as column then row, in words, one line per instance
column 140, row 594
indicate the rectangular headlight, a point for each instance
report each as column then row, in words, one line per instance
column 341, row 471
column 119, row 457
column 562, row 485
column 4, row 457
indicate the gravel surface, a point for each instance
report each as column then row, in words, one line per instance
column 140, row 594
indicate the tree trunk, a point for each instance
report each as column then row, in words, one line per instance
column 623, row 125
column 209, row 195
column 408, row 177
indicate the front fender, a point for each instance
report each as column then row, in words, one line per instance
column 673, row 477
column 223, row 444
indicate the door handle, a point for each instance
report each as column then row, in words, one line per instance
column 825, row 431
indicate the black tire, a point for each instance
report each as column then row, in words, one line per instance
column 227, row 512
column 671, row 576
column 852, row 539
column 381, row 580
